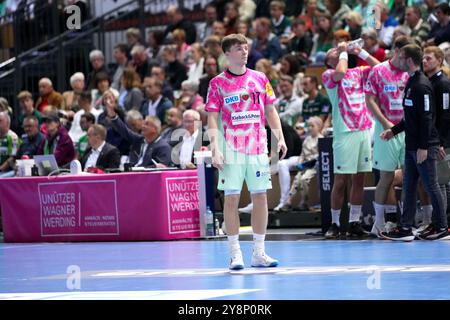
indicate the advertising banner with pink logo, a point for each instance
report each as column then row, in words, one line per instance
column 109, row 207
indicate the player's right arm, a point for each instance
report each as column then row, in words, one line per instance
column 372, row 104
column 213, row 133
column 342, row 66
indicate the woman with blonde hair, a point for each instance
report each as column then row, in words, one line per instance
column 265, row 66
column 179, row 39
column 131, row 97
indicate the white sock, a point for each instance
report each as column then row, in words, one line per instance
column 379, row 214
column 355, row 213
column 335, row 214
column 233, row 242
column 427, row 212
column 258, row 242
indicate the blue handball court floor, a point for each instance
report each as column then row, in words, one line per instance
column 196, row 270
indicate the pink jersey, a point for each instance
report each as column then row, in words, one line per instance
column 348, row 100
column 241, row 101
column 387, row 83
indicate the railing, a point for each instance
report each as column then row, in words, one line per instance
column 62, row 52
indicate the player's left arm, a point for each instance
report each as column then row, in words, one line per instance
column 275, row 125
column 364, row 55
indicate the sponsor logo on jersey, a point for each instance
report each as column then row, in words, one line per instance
column 232, row 99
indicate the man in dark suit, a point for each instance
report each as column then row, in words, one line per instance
column 155, row 104
column 100, row 154
column 148, row 149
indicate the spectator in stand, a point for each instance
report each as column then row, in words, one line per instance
column 121, row 57
column 231, row 18
column 401, row 31
column 85, row 103
column 265, row 66
column 316, row 104
column 289, row 65
column 195, row 62
column 159, row 73
column 48, row 96
column 71, row 97
column 174, row 122
column 219, row 29
column 419, row 28
column 214, row 48
column 101, row 85
column 289, row 105
column 177, row 21
column 205, row 29
column 155, row 104
column 323, row 39
column 27, row 108
column 134, row 120
column 280, row 24
column 175, row 71
column 388, row 24
column 301, row 44
column 9, row 144
column 97, row 60
column 309, row 14
column 253, row 55
column 155, row 42
column 139, row 61
column 266, row 42
column 133, row 36
column 243, row 27
column 398, row 11
column 441, row 31
column 365, row 9
column 57, row 141
column 211, row 70
column 190, row 99
column 428, row 14
column 131, row 97
column 338, row 10
column 31, row 139
column 86, row 121
column 371, row 45
column 354, row 23
column 246, row 9
column 179, row 39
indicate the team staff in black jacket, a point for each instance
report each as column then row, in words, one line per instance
column 422, row 149
column 433, row 58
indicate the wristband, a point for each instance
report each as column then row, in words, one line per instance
column 343, row 55
column 363, row 54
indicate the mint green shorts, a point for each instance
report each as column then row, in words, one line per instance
column 254, row 169
column 388, row 155
column 352, row 152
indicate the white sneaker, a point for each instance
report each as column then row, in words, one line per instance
column 278, row 207
column 421, row 229
column 376, row 230
column 390, row 226
column 236, row 262
column 262, row 260
column 246, row 209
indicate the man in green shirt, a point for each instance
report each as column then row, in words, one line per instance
column 27, row 109
column 9, row 143
column 317, row 103
column 86, row 121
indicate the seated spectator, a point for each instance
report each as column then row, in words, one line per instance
column 246, row 9
column 316, row 104
column 289, row 65
column 102, row 84
column 159, row 73
column 266, row 42
column 231, row 18
column 388, row 24
column 289, row 105
column 280, row 24
column 243, row 28
column 265, row 66
column 192, row 140
column 441, row 31
column 134, row 120
column 398, row 11
column 323, row 39
column 179, row 39
column 177, row 21
column 219, row 29
column 139, row 62
column 301, row 44
column 155, row 104
column 190, row 99
column 401, row 31
column 370, row 38
column 70, row 104
column 338, row 10
column 9, row 144
column 120, row 55
column 100, row 154
column 32, row 138
column 253, row 55
column 155, row 41
column 27, row 108
column 309, row 14
column 364, row 9
column 211, row 70
column 133, row 36
column 97, row 60
column 195, row 62
column 173, row 122
column 85, row 103
column 310, row 152
column 48, row 96
column 148, row 149
column 205, row 28
column 214, row 48
column 354, row 22
column 131, row 97
column 175, row 71
column 419, row 28
column 57, row 141
column 86, row 121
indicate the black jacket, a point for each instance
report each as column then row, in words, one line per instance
column 157, row 150
column 441, row 86
column 109, row 158
column 420, row 112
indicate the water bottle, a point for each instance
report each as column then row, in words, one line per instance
column 209, row 222
column 355, row 43
column 217, row 225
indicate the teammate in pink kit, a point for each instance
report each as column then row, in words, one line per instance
column 384, row 96
column 240, row 100
column 351, row 139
